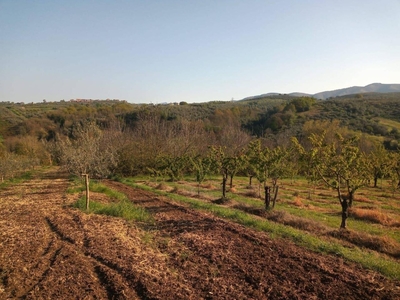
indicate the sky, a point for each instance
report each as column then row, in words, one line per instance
column 155, row 51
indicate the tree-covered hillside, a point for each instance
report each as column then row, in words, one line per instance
column 146, row 135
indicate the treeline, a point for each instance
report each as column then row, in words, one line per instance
column 146, row 138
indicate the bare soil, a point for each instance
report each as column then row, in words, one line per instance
column 49, row 250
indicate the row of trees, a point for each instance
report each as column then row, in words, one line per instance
column 324, row 154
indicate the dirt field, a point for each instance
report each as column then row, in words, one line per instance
column 49, row 250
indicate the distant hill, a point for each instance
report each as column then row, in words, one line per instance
column 371, row 88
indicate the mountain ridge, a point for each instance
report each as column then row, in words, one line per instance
column 370, row 88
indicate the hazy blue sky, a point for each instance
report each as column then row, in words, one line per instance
column 195, row 51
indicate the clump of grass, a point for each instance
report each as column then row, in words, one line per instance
column 297, row 202
column 175, row 190
column 207, row 186
column 232, row 190
column 162, row 187
column 371, row 215
column 223, row 200
column 251, row 193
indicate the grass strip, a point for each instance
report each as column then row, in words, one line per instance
column 121, row 206
column 16, row 180
column 368, row 259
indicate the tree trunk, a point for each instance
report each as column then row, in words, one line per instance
column 351, row 198
column 344, row 204
column 267, row 196
column 345, row 212
column 375, row 181
column 231, row 182
column 224, row 187
column 250, row 178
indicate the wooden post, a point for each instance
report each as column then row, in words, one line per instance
column 87, row 190
column 224, row 187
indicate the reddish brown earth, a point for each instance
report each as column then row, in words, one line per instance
column 49, row 250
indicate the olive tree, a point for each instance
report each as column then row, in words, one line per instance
column 85, row 153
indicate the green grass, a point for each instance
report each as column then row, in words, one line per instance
column 369, row 259
column 123, row 209
column 17, row 179
column 120, row 206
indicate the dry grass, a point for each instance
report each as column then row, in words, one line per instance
column 184, row 192
column 363, row 199
column 370, row 215
column 382, row 244
column 251, row 193
column 233, row 190
column 208, row 186
column 251, row 210
column 175, row 190
column 162, row 187
column 285, row 218
column 298, row 202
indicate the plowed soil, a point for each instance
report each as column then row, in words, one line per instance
column 49, row 250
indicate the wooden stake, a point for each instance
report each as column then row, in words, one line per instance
column 87, row 190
